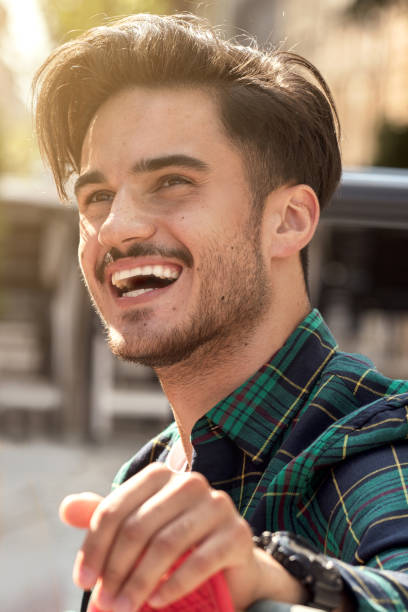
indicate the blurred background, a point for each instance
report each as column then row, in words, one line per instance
column 71, row 414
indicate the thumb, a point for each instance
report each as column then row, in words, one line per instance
column 76, row 510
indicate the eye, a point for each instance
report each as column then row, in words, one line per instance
column 99, row 196
column 173, row 180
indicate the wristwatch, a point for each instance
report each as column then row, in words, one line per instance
column 314, row 570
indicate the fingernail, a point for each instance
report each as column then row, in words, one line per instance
column 86, row 577
column 156, row 601
column 123, row 604
column 104, row 599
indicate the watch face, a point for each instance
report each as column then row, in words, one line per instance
column 296, row 543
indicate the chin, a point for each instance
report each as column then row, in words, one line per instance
column 152, row 353
column 158, row 352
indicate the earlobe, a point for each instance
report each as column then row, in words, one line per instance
column 295, row 216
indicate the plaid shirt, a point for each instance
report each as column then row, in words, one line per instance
column 314, row 443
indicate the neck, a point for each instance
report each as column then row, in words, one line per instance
column 212, row 372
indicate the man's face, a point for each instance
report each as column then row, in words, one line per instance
column 169, row 239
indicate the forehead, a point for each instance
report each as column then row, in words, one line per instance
column 144, row 122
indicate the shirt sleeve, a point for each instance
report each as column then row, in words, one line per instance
column 363, row 510
column 375, row 590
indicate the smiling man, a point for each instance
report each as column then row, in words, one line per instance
column 181, row 285
column 202, row 166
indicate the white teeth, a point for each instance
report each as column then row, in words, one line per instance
column 136, row 292
column 171, row 273
column 120, row 284
column 159, row 271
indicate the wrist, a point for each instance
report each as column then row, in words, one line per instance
column 316, row 572
column 275, row 582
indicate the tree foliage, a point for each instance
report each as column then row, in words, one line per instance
column 361, row 9
column 67, row 18
column 392, row 147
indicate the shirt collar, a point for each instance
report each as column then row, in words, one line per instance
column 257, row 414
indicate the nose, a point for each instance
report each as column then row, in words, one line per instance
column 125, row 223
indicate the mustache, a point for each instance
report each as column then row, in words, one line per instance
column 143, row 250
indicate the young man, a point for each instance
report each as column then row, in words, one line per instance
column 201, row 169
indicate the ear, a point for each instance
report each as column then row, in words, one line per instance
column 291, row 215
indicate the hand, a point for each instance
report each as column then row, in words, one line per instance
column 137, row 532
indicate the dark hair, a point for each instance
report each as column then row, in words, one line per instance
column 274, row 104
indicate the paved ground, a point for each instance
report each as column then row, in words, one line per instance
column 36, row 549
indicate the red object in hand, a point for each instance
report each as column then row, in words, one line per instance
column 211, row 596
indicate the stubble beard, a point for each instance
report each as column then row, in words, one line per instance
column 235, row 294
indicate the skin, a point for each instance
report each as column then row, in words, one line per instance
column 238, row 297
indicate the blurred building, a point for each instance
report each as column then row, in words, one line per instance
column 364, row 57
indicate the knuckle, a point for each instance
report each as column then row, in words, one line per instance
column 185, row 524
column 221, row 501
column 111, row 576
column 134, row 589
column 131, row 530
column 202, row 562
column 90, row 550
column 103, row 516
column 157, row 469
column 166, row 539
column 191, row 485
column 198, row 478
column 137, row 585
column 195, row 482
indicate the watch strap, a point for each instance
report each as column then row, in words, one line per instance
column 315, row 571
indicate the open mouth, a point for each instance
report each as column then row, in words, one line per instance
column 142, row 279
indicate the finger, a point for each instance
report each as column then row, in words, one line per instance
column 171, row 542
column 163, row 527
column 108, row 517
column 224, row 549
column 76, row 510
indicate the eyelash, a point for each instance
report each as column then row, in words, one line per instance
column 174, row 179
column 90, row 198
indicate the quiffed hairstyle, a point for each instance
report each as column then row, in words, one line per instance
column 275, row 105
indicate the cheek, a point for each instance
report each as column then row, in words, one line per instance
column 88, row 241
column 86, row 229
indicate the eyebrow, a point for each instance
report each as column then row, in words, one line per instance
column 91, row 177
column 144, row 165
column 157, row 163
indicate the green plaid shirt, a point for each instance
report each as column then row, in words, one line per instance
column 314, row 443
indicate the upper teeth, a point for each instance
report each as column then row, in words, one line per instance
column 159, row 271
